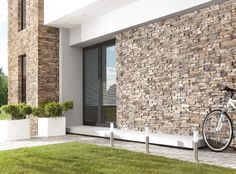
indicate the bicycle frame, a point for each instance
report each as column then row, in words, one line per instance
column 230, row 103
column 217, row 129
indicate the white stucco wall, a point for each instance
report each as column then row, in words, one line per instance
column 108, row 24
column 75, row 34
column 133, row 14
column 71, row 78
column 55, row 9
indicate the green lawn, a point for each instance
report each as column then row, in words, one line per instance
column 82, row 158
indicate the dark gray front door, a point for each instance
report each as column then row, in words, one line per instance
column 100, row 84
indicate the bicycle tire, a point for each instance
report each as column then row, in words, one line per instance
column 230, row 135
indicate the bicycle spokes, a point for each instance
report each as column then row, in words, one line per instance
column 217, row 130
column 220, row 122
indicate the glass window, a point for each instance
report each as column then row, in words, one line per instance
column 100, row 84
column 109, row 84
column 23, row 79
column 91, row 87
column 22, row 14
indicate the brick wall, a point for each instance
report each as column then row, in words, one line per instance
column 170, row 72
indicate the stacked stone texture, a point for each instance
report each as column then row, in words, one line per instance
column 169, row 73
column 40, row 44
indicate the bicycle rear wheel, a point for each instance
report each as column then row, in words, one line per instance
column 217, row 140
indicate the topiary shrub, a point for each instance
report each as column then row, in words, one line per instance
column 12, row 110
column 54, row 109
column 40, row 111
column 25, row 109
column 68, row 105
column 17, row 111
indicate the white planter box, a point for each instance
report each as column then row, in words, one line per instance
column 51, row 126
column 14, row 130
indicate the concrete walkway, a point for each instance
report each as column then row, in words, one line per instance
column 224, row 159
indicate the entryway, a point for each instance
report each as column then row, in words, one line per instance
column 99, row 84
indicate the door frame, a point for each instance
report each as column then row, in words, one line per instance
column 99, row 46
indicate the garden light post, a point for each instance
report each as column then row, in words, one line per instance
column 112, row 134
column 195, row 145
column 147, row 139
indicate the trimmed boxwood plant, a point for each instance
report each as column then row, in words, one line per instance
column 16, row 111
column 40, row 111
column 68, row 105
column 52, row 109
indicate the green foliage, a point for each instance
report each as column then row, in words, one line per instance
column 4, row 116
column 25, row 109
column 68, row 105
column 12, row 110
column 54, row 109
column 16, row 111
column 40, row 111
column 3, row 88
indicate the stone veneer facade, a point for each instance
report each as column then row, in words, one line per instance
column 40, row 44
column 169, row 72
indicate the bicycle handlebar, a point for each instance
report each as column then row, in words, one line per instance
column 232, row 91
column 229, row 89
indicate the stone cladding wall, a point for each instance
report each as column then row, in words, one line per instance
column 170, row 72
column 40, row 44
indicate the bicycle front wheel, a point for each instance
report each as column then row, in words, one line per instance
column 217, row 139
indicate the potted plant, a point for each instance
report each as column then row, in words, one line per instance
column 13, row 124
column 50, row 118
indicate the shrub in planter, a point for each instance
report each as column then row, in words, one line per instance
column 12, row 110
column 51, row 121
column 15, row 126
column 40, row 111
column 25, row 110
column 17, row 111
column 54, row 109
column 37, row 112
column 4, row 116
column 67, row 106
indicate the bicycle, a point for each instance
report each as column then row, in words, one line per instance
column 217, row 127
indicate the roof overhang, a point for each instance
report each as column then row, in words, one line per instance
column 71, row 13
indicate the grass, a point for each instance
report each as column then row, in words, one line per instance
column 73, row 158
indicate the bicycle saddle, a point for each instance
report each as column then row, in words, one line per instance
column 229, row 89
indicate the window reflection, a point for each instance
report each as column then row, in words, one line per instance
column 109, row 84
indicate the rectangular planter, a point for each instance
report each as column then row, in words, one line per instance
column 51, row 126
column 14, row 130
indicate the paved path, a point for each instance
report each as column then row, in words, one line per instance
column 225, row 159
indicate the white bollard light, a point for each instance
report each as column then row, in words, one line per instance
column 195, row 145
column 146, row 131
column 111, row 127
column 112, row 134
column 147, row 139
